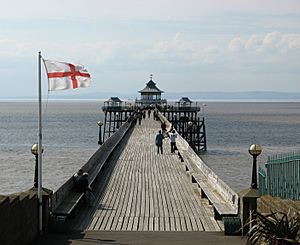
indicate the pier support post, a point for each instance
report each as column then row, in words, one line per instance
column 248, row 208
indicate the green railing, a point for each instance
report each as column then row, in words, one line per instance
column 283, row 175
column 262, row 189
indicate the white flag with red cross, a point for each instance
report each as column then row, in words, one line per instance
column 63, row 75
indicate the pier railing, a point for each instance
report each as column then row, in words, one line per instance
column 129, row 108
column 262, row 188
column 223, row 189
column 229, row 195
column 95, row 163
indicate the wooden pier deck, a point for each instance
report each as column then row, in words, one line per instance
column 149, row 192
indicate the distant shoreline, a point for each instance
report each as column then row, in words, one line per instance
column 204, row 96
column 3, row 100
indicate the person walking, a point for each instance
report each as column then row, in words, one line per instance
column 173, row 137
column 149, row 113
column 159, row 142
column 140, row 116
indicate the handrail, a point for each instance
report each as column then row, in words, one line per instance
column 95, row 163
column 223, row 189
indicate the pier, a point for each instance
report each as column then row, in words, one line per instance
column 140, row 190
column 149, row 191
column 159, row 196
column 155, row 195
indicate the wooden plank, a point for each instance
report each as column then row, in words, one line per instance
column 99, row 222
column 108, row 199
column 122, row 176
column 93, row 223
column 177, row 224
column 141, row 223
column 188, row 224
column 104, row 222
column 149, row 191
column 151, row 224
column 156, row 224
column 130, row 224
column 135, row 224
column 172, row 224
column 195, row 226
column 120, row 223
column 125, row 223
column 146, row 224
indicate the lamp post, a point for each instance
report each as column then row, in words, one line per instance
column 100, row 124
column 255, row 151
column 175, row 121
column 190, row 126
column 117, row 117
column 35, row 151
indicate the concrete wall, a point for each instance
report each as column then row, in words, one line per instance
column 19, row 218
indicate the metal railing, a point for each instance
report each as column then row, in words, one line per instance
column 262, row 189
column 283, row 175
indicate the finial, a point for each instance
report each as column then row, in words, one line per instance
column 151, row 75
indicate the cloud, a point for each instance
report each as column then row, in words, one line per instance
column 180, row 52
column 236, row 44
column 176, row 51
column 275, row 41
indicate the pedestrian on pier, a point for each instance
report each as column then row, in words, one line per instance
column 149, row 113
column 164, row 129
column 173, row 137
column 76, row 178
column 81, row 183
column 159, row 142
column 140, row 116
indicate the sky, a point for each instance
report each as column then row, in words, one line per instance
column 190, row 45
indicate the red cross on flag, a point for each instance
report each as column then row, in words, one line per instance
column 63, row 75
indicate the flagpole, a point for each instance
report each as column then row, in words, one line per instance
column 40, row 147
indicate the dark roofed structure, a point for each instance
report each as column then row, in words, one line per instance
column 150, row 95
column 113, row 101
column 184, row 101
column 151, row 88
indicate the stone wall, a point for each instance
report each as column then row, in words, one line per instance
column 19, row 218
column 269, row 204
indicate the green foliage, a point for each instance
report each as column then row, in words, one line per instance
column 276, row 228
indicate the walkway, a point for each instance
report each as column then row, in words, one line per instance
column 140, row 238
column 150, row 192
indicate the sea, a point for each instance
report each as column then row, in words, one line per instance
column 70, row 137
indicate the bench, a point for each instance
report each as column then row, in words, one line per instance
column 69, row 204
column 221, row 207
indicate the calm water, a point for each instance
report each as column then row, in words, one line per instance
column 70, row 137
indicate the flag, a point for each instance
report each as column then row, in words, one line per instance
column 63, row 75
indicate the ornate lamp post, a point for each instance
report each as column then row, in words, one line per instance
column 254, row 150
column 117, row 116
column 190, row 127
column 175, row 121
column 35, row 151
column 100, row 124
